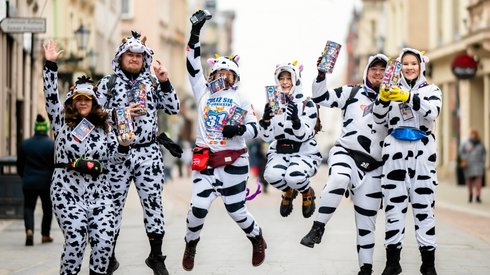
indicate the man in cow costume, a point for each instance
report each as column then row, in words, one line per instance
column 293, row 156
column 131, row 75
column 220, row 158
column 355, row 160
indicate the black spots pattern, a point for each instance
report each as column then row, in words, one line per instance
column 394, row 121
column 399, row 199
column 424, row 191
column 365, row 212
column 365, row 142
column 398, row 155
column 396, row 175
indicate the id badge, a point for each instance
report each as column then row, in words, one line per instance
column 368, row 109
column 83, row 129
column 406, row 111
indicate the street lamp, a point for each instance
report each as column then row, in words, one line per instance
column 81, row 35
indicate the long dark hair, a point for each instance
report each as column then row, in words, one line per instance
column 97, row 116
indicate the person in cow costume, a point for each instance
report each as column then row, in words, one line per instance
column 293, row 156
column 220, row 165
column 86, row 147
column 355, row 159
column 410, row 111
column 131, row 76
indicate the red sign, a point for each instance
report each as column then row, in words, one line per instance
column 464, row 66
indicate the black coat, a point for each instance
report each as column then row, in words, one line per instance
column 35, row 161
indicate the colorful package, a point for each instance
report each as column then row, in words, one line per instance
column 275, row 98
column 137, row 94
column 217, row 85
column 236, row 116
column 392, row 74
column 125, row 128
column 329, row 57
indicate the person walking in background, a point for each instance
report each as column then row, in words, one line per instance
column 35, row 165
column 132, row 86
column 293, row 156
column 220, row 161
column 473, row 156
column 409, row 152
column 80, row 188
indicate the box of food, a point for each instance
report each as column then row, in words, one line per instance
column 392, row 74
column 275, row 98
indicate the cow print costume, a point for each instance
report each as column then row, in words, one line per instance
column 228, row 181
column 82, row 203
column 360, row 135
column 145, row 164
column 409, row 172
column 292, row 170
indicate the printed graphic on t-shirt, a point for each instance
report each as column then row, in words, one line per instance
column 216, row 115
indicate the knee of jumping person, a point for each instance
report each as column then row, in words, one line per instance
column 273, row 176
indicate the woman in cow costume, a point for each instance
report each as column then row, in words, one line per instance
column 80, row 188
column 409, row 152
column 293, row 156
column 355, row 159
column 220, row 159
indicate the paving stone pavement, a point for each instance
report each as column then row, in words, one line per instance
column 462, row 231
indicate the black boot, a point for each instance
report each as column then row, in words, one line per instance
column 315, row 235
column 156, row 261
column 470, row 199
column 91, row 272
column 392, row 261
column 258, row 249
column 478, row 200
column 428, row 257
column 189, row 254
column 366, row 269
column 113, row 265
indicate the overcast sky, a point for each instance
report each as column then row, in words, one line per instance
column 269, row 32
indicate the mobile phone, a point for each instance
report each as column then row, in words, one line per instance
column 200, row 16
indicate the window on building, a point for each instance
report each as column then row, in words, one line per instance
column 127, row 9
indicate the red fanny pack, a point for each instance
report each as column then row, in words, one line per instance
column 225, row 157
column 200, row 158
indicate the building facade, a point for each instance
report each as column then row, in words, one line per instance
column 446, row 30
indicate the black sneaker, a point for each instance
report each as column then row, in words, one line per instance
column 157, row 263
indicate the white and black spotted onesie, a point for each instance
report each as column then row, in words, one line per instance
column 409, row 172
column 228, row 181
column 360, row 134
column 292, row 170
column 82, row 203
column 145, row 164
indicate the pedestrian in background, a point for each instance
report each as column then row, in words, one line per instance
column 35, row 165
column 473, row 156
column 409, row 152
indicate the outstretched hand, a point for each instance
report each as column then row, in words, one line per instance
column 196, row 27
column 50, row 52
column 161, row 72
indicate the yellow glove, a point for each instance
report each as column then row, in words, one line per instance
column 384, row 94
column 398, row 94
